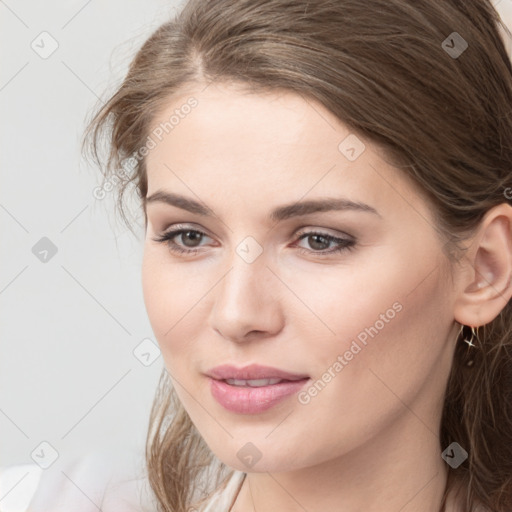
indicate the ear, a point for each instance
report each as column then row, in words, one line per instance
column 486, row 277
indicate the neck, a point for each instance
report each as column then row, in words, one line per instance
column 400, row 469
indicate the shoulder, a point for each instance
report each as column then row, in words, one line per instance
column 101, row 480
column 17, row 486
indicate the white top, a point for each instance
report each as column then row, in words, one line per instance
column 91, row 483
column 223, row 500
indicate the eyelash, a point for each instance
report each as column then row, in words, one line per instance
column 346, row 243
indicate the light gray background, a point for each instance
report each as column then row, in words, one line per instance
column 68, row 374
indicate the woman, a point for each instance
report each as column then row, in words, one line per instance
column 324, row 186
column 328, row 253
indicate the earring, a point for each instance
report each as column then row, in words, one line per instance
column 474, row 336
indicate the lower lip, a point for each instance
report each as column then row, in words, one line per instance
column 247, row 400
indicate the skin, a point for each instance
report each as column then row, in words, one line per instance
column 369, row 440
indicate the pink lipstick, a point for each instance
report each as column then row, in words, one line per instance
column 253, row 389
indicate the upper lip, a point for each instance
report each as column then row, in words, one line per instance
column 253, row 371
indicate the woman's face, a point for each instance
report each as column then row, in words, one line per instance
column 366, row 316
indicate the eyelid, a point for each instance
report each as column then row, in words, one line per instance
column 324, row 231
column 297, row 233
column 184, row 227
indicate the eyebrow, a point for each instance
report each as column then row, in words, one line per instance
column 280, row 213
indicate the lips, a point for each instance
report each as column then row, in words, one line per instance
column 253, row 389
column 253, row 372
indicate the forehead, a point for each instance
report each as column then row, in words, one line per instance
column 239, row 143
column 227, row 116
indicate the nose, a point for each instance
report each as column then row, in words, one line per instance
column 246, row 301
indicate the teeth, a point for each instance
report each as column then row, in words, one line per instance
column 254, row 383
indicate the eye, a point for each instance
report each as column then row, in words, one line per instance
column 191, row 239
column 318, row 241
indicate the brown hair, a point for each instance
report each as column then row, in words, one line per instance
column 385, row 69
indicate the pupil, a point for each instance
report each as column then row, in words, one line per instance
column 316, row 237
column 194, row 235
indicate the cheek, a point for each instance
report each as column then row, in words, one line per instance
column 398, row 335
column 153, row 288
column 169, row 296
column 338, row 305
column 383, row 365
column 390, row 315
